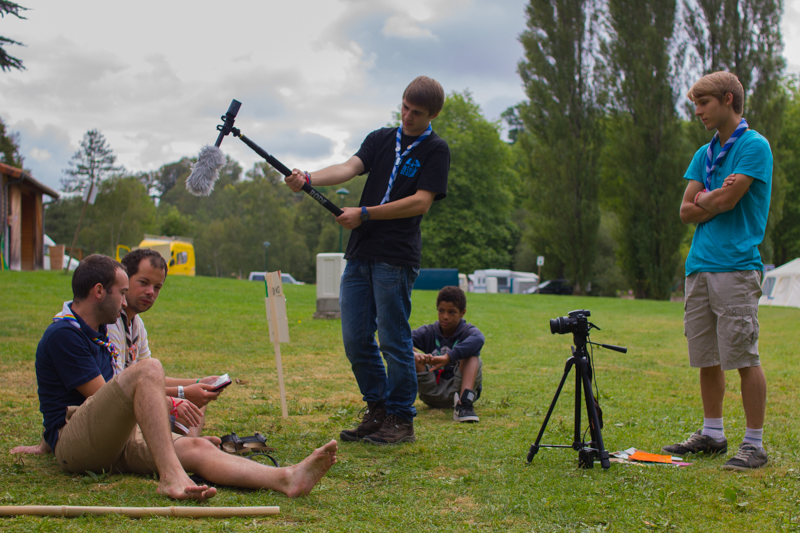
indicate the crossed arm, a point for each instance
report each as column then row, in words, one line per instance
column 698, row 206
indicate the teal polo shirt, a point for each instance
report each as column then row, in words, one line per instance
column 729, row 241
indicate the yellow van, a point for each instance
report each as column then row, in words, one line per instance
column 178, row 252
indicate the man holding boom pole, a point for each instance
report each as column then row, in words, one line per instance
column 408, row 168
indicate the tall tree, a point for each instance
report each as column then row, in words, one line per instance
column 561, row 119
column 90, row 164
column 479, row 190
column 9, row 147
column 645, row 155
column 8, row 62
column 786, row 237
column 744, row 37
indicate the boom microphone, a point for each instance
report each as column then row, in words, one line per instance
column 206, row 171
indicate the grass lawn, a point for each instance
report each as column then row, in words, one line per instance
column 456, row 477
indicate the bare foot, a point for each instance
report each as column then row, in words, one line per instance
column 213, row 440
column 39, row 449
column 303, row 476
column 184, row 489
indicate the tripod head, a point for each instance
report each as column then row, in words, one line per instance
column 577, row 323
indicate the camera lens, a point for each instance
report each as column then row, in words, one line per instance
column 562, row 325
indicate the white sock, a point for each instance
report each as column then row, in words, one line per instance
column 754, row 437
column 714, row 428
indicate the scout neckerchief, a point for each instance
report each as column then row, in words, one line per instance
column 97, row 340
column 439, row 348
column 399, row 157
column 710, row 168
column 132, row 351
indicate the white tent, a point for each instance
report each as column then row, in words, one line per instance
column 782, row 286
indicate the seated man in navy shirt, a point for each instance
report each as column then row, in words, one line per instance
column 96, row 421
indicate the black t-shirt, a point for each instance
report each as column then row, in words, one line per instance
column 398, row 241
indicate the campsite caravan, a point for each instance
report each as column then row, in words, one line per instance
column 782, row 286
column 506, row 281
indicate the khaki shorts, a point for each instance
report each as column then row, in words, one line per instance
column 442, row 394
column 721, row 318
column 101, row 434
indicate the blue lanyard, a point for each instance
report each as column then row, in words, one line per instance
column 399, row 157
column 740, row 129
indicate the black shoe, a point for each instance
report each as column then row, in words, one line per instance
column 464, row 411
column 698, row 443
column 374, row 414
column 393, row 431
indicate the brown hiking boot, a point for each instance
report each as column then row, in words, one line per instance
column 393, row 431
column 371, row 422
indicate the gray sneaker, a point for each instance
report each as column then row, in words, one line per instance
column 698, row 443
column 747, row 458
column 464, row 411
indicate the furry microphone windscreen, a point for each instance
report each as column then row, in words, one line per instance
column 206, row 171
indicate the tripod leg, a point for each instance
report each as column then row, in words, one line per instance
column 535, row 446
column 577, row 442
column 594, row 420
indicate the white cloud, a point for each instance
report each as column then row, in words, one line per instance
column 314, row 76
column 39, row 154
column 405, row 26
column 790, row 28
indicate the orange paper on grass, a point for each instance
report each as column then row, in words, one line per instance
column 651, row 457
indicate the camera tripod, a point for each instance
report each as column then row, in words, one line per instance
column 583, row 380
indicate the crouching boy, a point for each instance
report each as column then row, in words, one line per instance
column 449, row 370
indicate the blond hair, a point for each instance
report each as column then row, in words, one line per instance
column 425, row 92
column 718, row 84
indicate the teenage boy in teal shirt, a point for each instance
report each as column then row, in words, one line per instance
column 727, row 196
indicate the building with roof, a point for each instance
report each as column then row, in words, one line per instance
column 22, row 210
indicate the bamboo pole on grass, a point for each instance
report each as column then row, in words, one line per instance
column 72, row 511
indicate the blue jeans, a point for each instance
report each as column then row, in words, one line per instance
column 376, row 296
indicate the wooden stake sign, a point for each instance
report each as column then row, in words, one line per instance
column 278, row 326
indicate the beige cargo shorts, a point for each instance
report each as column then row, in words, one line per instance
column 721, row 318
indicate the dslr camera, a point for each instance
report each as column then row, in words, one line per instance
column 575, row 322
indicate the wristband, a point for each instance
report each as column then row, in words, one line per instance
column 181, row 394
column 698, row 194
column 308, row 177
column 198, row 381
column 174, row 411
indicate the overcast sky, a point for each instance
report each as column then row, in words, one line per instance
column 314, row 76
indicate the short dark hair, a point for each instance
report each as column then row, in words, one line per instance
column 425, row 92
column 133, row 259
column 94, row 269
column 454, row 295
